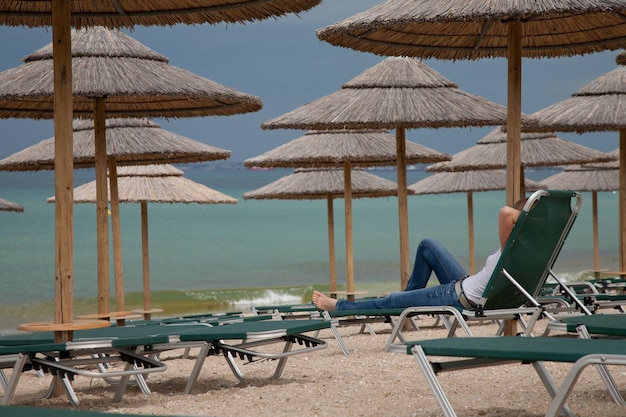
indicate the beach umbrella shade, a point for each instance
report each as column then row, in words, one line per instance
column 61, row 15
column 468, row 182
column 127, row 13
column 597, row 106
column 399, row 94
column 145, row 184
column 325, row 183
column 6, row 205
column 593, row 178
column 537, row 150
column 129, row 141
column 475, row 29
column 347, row 148
column 115, row 76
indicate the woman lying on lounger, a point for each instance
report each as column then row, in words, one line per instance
column 456, row 287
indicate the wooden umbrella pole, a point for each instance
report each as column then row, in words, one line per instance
column 470, row 232
column 331, row 246
column 347, row 180
column 596, row 242
column 403, row 214
column 102, row 205
column 514, row 109
column 63, row 166
column 514, row 114
column 117, row 235
column 622, row 199
column 145, row 256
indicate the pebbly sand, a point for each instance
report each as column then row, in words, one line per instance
column 369, row 382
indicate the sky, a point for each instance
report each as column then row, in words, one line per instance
column 283, row 62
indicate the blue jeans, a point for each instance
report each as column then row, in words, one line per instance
column 431, row 257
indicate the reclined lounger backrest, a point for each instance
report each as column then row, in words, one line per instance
column 532, row 248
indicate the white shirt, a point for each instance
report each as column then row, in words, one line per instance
column 474, row 285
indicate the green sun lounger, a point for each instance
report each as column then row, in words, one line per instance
column 596, row 325
column 523, row 268
column 474, row 352
column 66, row 360
column 247, row 340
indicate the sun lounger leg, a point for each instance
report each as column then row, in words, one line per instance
column 195, row 372
column 433, row 382
column 9, row 392
column 233, row 366
column 335, row 331
column 4, row 382
column 551, row 387
column 606, row 377
column 282, row 361
column 67, row 387
column 574, row 373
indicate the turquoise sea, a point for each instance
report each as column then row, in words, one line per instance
column 229, row 257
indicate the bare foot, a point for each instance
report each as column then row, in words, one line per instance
column 323, row 302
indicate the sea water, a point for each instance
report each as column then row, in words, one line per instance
column 230, row 257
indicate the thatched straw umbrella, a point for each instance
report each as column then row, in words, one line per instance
column 149, row 13
column 593, row 178
column 115, row 76
column 597, row 106
column 129, row 142
column 468, row 182
column 325, row 183
column 345, row 147
column 62, row 15
column 153, row 184
column 6, row 205
column 400, row 94
column 461, row 29
column 537, row 150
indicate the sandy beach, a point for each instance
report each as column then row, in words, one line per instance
column 369, row 382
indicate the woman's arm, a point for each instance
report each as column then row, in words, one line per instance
column 506, row 221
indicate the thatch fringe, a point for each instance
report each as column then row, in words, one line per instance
column 314, row 184
column 332, row 147
column 536, row 151
column 397, row 92
column 135, row 82
column 600, row 105
column 6, row 205
column 155, row 187
column 458, row 29
column 584, row 178
column 123, row 13
column 468, row 181
column 129, row 141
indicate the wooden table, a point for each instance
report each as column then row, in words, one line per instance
column 147, row 314
column 63, row 332
column 119, row 316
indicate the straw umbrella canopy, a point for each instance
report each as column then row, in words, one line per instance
column 6, row 205
column 537, row 150
column 149, row 13
column 325, row 183
column 115, row 76
column 468, row 182
column 593, row 178
column 153, row 184
column 597, row 106
column 62, row 15
column 129, row 141
column 397, row 93
column 347, row 147
column 461, row 29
